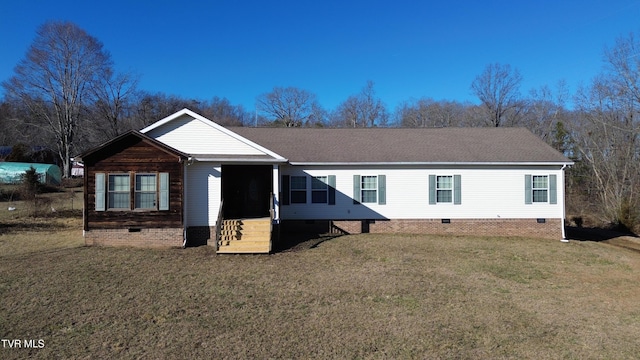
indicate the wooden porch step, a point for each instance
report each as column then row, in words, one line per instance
column 245, row 236
column 251, row 236
column 244, row 246
column 258, row 249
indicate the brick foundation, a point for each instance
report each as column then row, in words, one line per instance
column 549, row 229
column 169, row 237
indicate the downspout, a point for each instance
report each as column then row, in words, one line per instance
column 564, row 198
column 184, row 202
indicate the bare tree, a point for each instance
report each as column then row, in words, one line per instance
column 429, row 113
column 544, row 110
column 7, row 121
column 289, row 107
column 54, row 79
column 347, row 113
column 608, row 133
column 362, row 110
column 498, row 90
column 149, row 108
column 112, row 97
column 223, row 112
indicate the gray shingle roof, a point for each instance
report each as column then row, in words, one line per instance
column 404, row 145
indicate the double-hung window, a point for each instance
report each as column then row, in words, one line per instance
column 131, row 191
column 369, row 188
column 294, row 189
column 541, row 189
column 145, row 192
column 319, row 189
column 298, row 189
column 119, row 189
column 444, row 189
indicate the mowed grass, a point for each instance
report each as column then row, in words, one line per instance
column 351, row 297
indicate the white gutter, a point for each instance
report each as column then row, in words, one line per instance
column 184, row 202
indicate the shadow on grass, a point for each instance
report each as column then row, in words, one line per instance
column 595, row 234
column 301, row 241
column 623, row 239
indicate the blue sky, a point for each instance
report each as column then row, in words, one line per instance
column 410, row 49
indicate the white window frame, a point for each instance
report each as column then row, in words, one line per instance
column 373, row 189
column 535, row 189
column 442, row 190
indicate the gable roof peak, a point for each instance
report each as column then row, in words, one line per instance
column 212, row 124
column 174, row 116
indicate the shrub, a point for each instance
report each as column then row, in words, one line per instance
column 72, row 182
column 627, row 217
column 19, row 153
column 10, row 193
column 577, row 220
column 31, row 183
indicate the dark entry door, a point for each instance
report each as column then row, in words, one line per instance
column 246, row 190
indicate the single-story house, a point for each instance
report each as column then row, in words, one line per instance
column 186, row 179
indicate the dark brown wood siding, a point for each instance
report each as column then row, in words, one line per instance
column 134, row 155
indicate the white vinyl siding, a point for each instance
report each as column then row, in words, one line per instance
column 192, row 136
column 407, row 194
column 204, row 193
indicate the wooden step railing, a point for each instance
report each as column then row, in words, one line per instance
column 219, row 225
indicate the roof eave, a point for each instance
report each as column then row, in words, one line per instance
column 138, row 134
column 435, row 163
column 238, row 160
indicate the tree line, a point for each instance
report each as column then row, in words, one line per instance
column 65, row 95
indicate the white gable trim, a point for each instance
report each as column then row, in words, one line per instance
column 212, row 124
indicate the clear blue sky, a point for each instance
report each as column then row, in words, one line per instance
column 410, row 49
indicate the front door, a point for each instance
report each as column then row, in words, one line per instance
column 246, row 190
